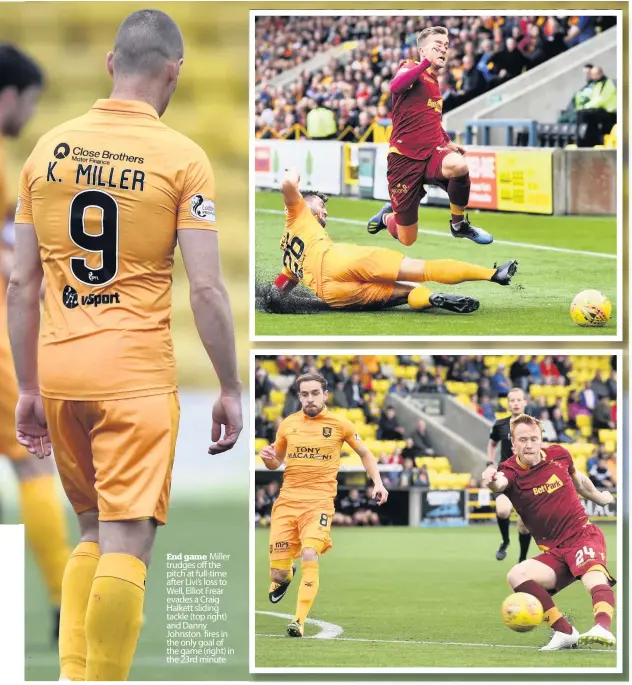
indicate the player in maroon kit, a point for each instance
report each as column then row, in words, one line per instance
column 543, row 487
column 420, row 151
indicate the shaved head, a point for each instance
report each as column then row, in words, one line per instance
column 145, row 41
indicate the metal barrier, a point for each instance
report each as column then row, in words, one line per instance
column 507, row 124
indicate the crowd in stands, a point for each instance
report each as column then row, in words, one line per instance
column 351, row 387
column 343, row 98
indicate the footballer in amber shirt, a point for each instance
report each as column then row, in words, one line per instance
column 312, row 447
column 107, row 193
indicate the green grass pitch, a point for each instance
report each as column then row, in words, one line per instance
column 537, row 302
column 193, row 528
column 416, row 598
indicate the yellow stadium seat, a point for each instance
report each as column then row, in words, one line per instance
column 502, row 415
column 583, row 420
column 610, row 446
column 272, row 413
column 260, row 443
column 381, row 385
column 607, row 434
column 586, row 431
column 277, row 397
column 355, row 415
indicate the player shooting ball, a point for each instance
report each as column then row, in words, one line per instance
column 420, row 151
column 544, row 487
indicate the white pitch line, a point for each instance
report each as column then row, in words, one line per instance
column 426, row 642
column 328, row 631
column 445, row 234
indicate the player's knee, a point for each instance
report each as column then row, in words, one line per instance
column 278, row 575
column 460, row 168
column 309, row 554
column 590, row 579
column 407, row 235
column 89, row 526
column 516, row 576
column 454, row 166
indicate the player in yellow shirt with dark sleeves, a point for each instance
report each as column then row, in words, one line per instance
column 309, row 442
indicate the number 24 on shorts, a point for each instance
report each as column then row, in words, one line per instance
column 581, row 554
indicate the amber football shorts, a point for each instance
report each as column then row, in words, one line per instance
column 353, row 275
column 582, row 552
column 116, row 455
column 406, row 178
column 9, row 446
column 298, row 524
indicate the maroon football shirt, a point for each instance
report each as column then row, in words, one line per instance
column 417, row 112
column 545, row 497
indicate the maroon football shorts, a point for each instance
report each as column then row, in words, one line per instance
column 576, row 556
column 406, row 178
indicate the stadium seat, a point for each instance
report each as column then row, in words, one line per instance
column 277, row 397
column 260, row 443
column 272, row 413
column 584, row 421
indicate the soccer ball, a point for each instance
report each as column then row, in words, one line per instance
column 591, row 308
column 522, row 612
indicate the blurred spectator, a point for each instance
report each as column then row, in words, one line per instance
column 612, row 467
column 588, row 397
column 600, row 475
column 328, row 372
column 507, row 63
column 474, row 404
column 354, row 391
column 291, row 404
column 500, row 383
column 488, row 409
column 389, row 428
column 579, row 99
column 345, row 96
column 601, row 387
column 612, row 385
column 421, row 440
column 534, row 370
column 519, row 373
column 602, row 417
column 575, row 409
column 550, row 372
column 400, row 388
column 341, row 398
column 372, row 409
column 412, row 476
column 549, row 433
column 560, row 426
column 599, row 114
column 263, row 385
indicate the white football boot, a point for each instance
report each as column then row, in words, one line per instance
column 597, row 635
column 562, row 641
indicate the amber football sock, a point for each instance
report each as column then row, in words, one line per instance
column 45, row 530
column 114, row 616
column 419, row 298
column 603, row 605
column 456, row 214
column 308, row 589
column 552, row 615
column 452, row 271
column 459, row 195
column 75, row 593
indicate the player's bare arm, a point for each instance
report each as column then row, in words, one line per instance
column 23, row 310
column 370, row 465
column 491, row 450
column 586, row 489
column 272, row 458
column 493, row 479
column 214, row 322
column 289, row 187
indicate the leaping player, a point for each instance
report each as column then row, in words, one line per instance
column 544, row 488
column 420, row 151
